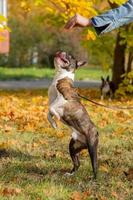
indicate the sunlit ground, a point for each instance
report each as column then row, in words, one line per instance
column 34, row 157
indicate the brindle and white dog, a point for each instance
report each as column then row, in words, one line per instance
column 65, row 105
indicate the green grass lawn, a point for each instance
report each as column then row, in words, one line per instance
column 34, row 157
column 85, row 73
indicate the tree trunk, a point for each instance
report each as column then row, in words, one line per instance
column 130, row 60
column 119, row 56
column 119, row 61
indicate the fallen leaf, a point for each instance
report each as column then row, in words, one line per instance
column 76, row 196
column 114, row 194
column 11, row 191
column 86, row 194
column 104, row 168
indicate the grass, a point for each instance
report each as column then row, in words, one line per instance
column 85, row 73
column 33, row 160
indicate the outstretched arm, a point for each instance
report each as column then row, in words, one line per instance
column 114, row 18
column 107, row 21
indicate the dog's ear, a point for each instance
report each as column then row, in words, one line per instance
column 80, row 63
column 102, row 79
column 107, row 79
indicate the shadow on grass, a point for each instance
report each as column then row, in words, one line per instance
column 26, row 169
column 15, row 154
column 26, row 162
column 20, row 167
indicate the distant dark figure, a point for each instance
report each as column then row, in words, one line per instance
column 107, row 88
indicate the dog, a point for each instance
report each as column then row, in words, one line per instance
column 107, row 88
column 65, row 105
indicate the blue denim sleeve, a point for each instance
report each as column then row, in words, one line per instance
column 114, row 18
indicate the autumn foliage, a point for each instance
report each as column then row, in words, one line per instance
column 34, row 156
column 27, row 112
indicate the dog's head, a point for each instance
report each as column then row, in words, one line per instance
column 106, row 80
column 66, row 62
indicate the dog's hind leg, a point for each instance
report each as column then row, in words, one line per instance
column 93, row 156
column 51, row 120
column 102, row 97
column 92, row 148
column 74, row 148
column 111, row 95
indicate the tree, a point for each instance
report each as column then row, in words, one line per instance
column 39, row 27
column 70, row 7
column 36, row 28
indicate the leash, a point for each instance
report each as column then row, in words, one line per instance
column 105, row 106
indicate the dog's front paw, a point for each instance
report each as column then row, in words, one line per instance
column 54, row 125
column 51, row 120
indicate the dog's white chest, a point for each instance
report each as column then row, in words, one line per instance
column 58, row 105
column 106, row 89
column 56, row 101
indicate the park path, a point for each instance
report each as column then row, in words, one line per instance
column 43, row 83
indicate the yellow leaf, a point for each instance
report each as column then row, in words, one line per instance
column 90, row 35
column 23, row 4
column 104, row 168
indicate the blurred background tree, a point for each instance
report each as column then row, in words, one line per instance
column 37, row 32
column 36, row 35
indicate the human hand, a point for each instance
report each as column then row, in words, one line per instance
column 78, row 21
